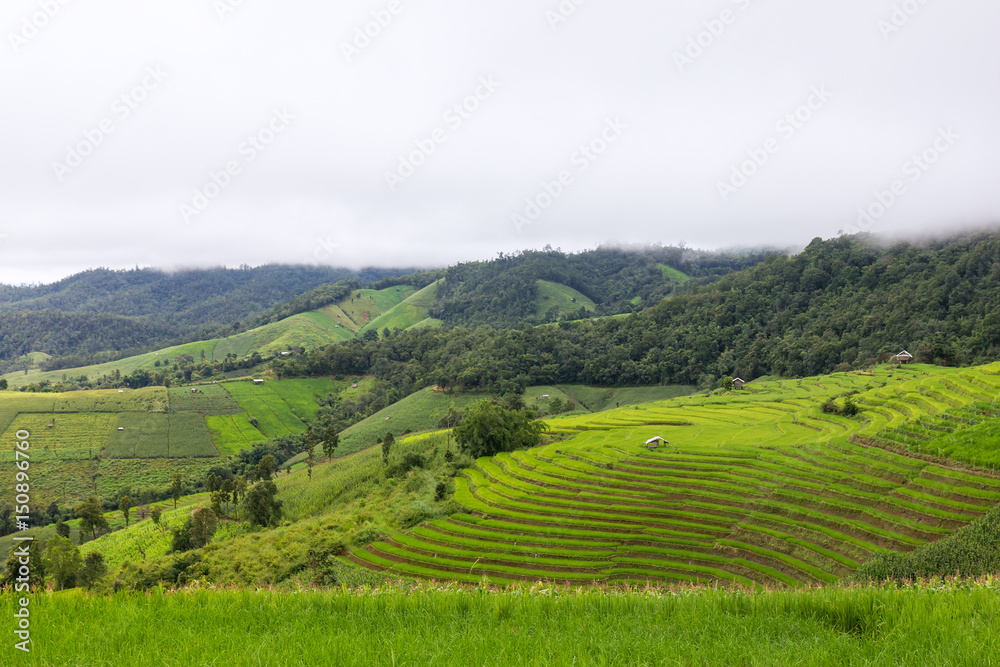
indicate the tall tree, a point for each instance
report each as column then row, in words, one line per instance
column 91, row 516
column 62, row 560
column 125, row 505
column 203, row 524
column 263, row 508
column 330, row 441
column 93, row 570
column 176, row 488
column 387, row 444
column 155, row 515
column 266, row 467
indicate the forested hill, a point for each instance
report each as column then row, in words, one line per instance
column 122, row 311
column 841, row 304
column 502, row 292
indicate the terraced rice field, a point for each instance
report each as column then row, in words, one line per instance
column 754, row 488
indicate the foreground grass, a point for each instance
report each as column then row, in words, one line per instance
column 944, row 625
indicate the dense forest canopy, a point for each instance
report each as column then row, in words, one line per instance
column 840, row 304
column 501, row 292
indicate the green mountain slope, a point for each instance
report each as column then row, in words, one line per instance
column 554, row 300
column 410, row 312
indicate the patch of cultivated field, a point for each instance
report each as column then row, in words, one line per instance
column 152, row 435
column 61, row 435
column 233, row 433
column 274, row 415
column 759, row 487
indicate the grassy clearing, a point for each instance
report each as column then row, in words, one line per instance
column 563, row 298
column 673, row 275
column 418, row 412
column 408, row 313
column 363, row 306
column 540, row 626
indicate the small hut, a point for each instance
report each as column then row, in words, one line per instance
column 738, row 383
column 655, row 442
column 904, row 357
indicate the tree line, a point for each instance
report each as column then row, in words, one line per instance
column 841, row 304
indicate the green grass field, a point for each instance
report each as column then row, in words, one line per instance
column 410, row 312
column 274, row 415
column 365, row 305
column 556, row 295
column 673, row 275
column 233, row 433
column 418, row 412
column 540, row 626
column 755, row 488
column 598, row 399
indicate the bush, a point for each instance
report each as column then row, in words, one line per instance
column 409, row 462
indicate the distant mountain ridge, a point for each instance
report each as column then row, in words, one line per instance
column 127, row 312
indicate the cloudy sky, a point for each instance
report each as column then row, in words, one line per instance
column 396, row 132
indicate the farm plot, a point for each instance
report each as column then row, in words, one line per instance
column 233, row 433
column 158, row 435
column 63, row 435
column 273, row 414
column 210, row 400
column 756, row 488
column 302, row 395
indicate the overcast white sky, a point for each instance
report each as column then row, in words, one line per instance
column 887, row 79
